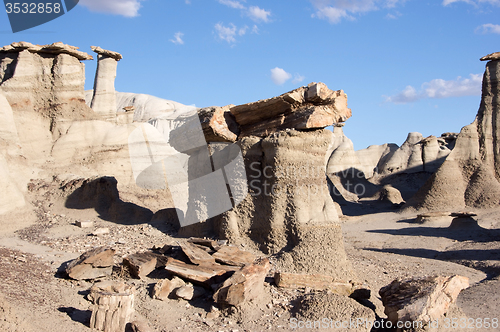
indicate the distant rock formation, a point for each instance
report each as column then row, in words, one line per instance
column 44, row 86
column 104, row 98
column 417, row 158
column 471, row 173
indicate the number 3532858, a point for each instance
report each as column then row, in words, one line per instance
column 32, row 8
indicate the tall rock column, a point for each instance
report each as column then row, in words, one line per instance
column 104, row 98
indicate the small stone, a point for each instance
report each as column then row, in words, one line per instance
column 185, row 292
column 101, row 231
column 84, row 223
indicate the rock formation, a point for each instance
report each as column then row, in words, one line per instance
column 104, row 99
column 405, row 168
column 44, row 86
column 288, row 211
column 471, row 173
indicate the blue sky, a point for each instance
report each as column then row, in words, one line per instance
column 406, row 65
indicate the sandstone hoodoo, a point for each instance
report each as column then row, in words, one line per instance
column 104, row 98
column 288, row 212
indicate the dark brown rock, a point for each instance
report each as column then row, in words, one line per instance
column 140, row 264
column 92, row 264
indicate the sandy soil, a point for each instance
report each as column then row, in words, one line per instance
column 36, row 245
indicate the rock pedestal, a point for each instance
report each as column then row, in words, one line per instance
column 288, row 212
column 104, row 99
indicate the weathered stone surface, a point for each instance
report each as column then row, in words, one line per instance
column 218, row 124
column 289, row 207
column 492, row 56
column 244, row 285
column 115, row 55
column 205, row 242
column 140, row 264
column 311, row 107
column 199, row 274
column 313, row 281
column 113, row 307
column 163, row 289
column 423, row 300
column 196, row 255
column 104, row 98
column 92, row 264
column 233, row 256
column 55, row 48
column 314, row 307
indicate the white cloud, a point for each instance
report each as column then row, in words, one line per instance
column 472, row 2
column 488, row 28
column 440, row 88
column 243, row 30
column 335, row 10
column 255, row 29
column 128, row 8
column 280, row 76
column 226, row 33
column 258, row 14
column 232, row 3
column 178, row 38
column 298, row 78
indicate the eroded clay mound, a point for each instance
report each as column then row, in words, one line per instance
column 332, row 311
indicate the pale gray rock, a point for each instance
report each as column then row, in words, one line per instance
column 104, row 98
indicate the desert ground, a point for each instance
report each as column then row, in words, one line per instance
column 36, row 295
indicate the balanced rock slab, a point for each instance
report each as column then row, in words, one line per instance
column 311, row 107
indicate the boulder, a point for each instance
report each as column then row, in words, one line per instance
column 421, row 300
column 244, row 285
column 163, row 289
column 92, row 264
